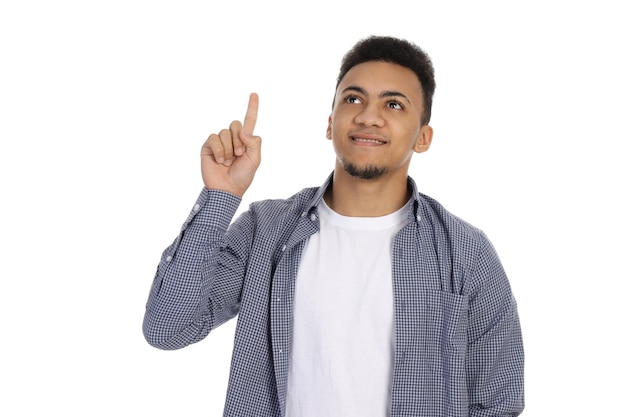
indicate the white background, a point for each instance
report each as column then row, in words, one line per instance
column 104, row 107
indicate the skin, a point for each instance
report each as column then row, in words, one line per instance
column 375, row 122
column 375, row 125
column 229, row 159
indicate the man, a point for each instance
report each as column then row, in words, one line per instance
column 358, row 298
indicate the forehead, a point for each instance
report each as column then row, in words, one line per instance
column 378, row 76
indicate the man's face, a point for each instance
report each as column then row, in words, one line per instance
column 375, row 124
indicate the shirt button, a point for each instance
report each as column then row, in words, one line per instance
column 196, row 207
column 284, row 247
column 169, row 258
column 313, row 217
column 419, row 218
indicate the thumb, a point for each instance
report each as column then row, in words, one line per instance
column 252, row 144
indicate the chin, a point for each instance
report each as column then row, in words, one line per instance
column 367, row 172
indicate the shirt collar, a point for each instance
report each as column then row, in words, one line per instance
column 413, row 206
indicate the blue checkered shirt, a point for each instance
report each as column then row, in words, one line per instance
column 458, row 347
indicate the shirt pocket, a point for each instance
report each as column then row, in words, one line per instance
column 447, row 324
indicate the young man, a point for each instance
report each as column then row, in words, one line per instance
column 361, row 297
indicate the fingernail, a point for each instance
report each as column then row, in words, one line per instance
column 239, row 150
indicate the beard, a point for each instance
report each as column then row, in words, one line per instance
column 368, row 172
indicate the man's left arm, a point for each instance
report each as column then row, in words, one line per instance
column 495, row 356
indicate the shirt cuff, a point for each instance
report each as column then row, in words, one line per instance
column 214, row 208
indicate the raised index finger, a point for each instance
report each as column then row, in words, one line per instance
column 250, row 120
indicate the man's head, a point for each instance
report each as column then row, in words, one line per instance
column 381, row 109
column 396, row 51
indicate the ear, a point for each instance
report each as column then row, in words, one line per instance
column 329, row 129
column 424, row 139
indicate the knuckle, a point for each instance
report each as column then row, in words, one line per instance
column 214, row 143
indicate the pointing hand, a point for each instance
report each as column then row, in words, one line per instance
column 230, row 158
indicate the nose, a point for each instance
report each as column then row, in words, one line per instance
column 370, row 116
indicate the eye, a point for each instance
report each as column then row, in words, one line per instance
column 352, row 100
column 395, row 105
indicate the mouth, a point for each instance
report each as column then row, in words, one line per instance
column 368, row 139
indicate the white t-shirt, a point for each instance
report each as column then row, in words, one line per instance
column 343, row 333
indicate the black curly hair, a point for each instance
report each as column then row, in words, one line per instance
column 396, row 51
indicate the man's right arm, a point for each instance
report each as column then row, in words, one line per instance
column 190, row 295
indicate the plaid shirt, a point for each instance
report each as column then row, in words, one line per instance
column 458, row 347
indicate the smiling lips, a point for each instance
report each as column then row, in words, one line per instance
column 368, row 139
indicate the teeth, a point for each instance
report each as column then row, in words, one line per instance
column 367, row 140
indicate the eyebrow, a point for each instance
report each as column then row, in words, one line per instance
column 386, row 93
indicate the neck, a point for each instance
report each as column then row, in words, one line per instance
column 355, row 197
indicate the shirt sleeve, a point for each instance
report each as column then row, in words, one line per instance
column 495, row 360
column 197, row 285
